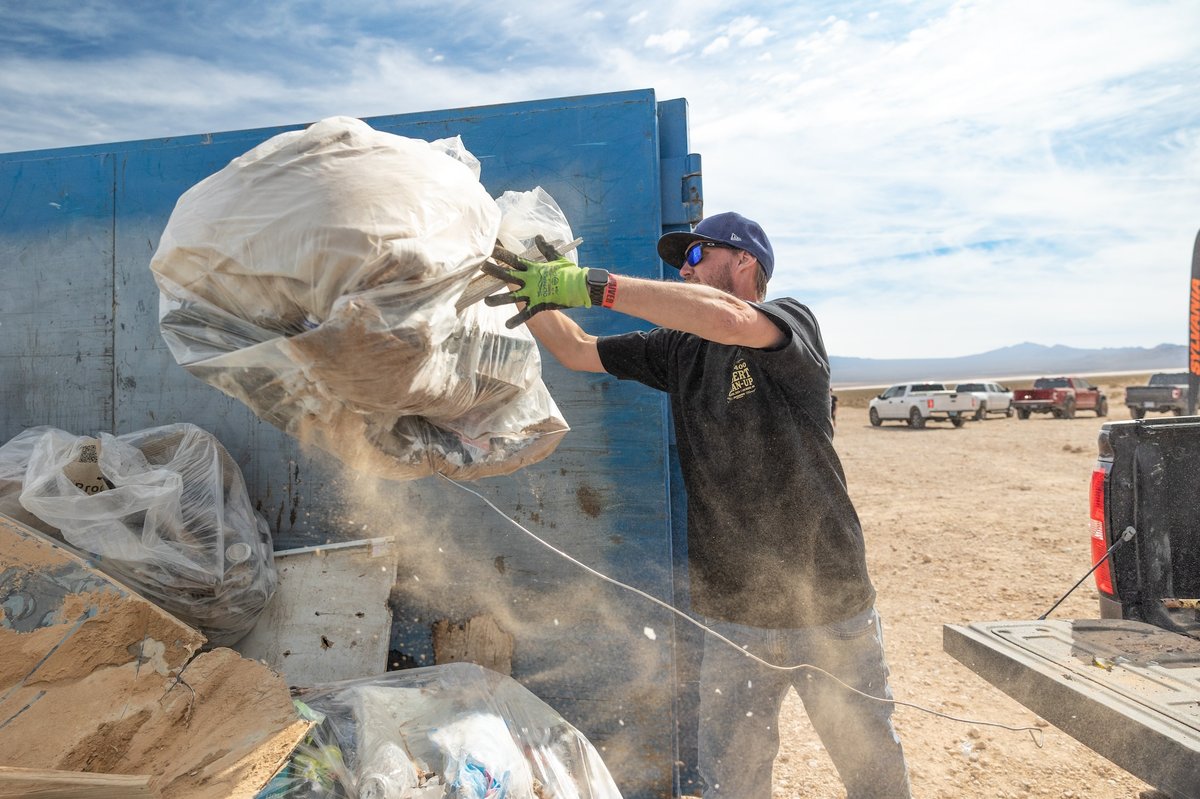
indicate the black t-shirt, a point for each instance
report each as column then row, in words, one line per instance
column 773, row 539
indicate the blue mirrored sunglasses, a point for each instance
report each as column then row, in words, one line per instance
column 694, row 253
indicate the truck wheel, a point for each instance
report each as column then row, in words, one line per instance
column 1069, row 410
column 981, row 412
column 1008, row 412
column 915, row 419
column 958, row 420
column 1022, row 413
column 1102, row 407
column 1137, row 413
column 873, row 415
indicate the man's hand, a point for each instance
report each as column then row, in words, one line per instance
column 541, row 286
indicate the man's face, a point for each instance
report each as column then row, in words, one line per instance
column 715, row 267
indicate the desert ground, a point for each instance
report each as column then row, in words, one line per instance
column 981, row 523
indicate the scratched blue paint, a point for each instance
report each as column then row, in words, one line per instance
column 32, row 599
column 80, row 349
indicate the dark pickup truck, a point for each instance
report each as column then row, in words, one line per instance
column 1167, row 391
column 1059, row 396
column 1126, row 684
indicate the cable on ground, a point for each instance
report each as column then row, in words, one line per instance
column 1035, row 733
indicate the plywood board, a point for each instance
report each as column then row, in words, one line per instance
column 329, row 619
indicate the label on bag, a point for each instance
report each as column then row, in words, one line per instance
column 84, row 471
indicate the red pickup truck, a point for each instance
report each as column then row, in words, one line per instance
column 1060, row 396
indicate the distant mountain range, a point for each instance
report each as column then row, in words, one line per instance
column 1019, row 360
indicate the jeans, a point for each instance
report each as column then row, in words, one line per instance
column 740, row 700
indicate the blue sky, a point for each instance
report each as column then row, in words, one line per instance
column 938, row 178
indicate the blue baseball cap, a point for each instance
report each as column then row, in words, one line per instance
column 728, row 228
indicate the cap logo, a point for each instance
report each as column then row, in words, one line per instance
column 734, row 237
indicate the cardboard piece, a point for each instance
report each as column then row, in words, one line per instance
column 93, row 678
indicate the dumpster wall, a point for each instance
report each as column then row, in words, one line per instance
column 81, row 350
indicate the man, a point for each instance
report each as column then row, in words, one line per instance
column 775, row 548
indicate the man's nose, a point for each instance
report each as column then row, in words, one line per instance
column 685, row 271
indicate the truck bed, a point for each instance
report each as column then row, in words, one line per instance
column 1128, row 690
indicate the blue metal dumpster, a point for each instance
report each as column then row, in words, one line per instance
column 80, row 350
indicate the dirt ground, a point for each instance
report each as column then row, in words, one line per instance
column 981, row 523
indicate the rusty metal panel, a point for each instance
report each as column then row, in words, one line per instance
column 56, row 258
column 80, row 350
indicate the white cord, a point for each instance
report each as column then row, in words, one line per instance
column 1034, row 732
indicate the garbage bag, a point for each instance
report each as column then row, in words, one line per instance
column 165, row 510
column 14, row 460
column 316, row 278
column 455, row 730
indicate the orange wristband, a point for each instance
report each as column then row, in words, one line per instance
column 610, row 292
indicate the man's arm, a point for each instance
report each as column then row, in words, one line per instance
column 567, row 341
column 701, row 310
column 705, row 311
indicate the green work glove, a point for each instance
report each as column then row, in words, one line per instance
column 541, row 286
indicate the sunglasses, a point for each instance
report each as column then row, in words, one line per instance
column 694, row 253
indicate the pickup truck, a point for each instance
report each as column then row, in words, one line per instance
column 1126, row 684
column 992, row 398
column 916, row 403
column 1167, row 391
column 1060, row 396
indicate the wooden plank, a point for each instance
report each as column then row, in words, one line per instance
column 54, row 784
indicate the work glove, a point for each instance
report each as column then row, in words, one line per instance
column 554, row 284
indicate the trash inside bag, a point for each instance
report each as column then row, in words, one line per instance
column 315, row 279
column 164, row 510
column 457, row 731
column 14, row 460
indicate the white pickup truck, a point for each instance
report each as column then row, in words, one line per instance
column 917, row 403
column 992, row 397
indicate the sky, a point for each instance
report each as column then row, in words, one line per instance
column 937, row 178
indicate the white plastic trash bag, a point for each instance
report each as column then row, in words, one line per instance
column 165, row 510
column 315, row 279
column 14, row 461
column 457, row 731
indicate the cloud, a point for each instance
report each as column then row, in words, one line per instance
column 717, row 45
column 887, row 153
column 671, row 41
column 749, row 32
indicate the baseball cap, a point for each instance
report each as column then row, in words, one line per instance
column 728, row 228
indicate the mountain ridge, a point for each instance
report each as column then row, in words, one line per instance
column 1016, row 360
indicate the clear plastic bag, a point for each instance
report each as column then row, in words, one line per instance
column 315, row 279
column 456, row 730
column 14, row 461
column 165, row 510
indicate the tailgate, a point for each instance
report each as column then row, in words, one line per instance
column 1128, row 690
column 1149, row 394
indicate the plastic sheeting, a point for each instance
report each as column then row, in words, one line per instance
column 456, row 730
column 164, row 510
column 315, row 279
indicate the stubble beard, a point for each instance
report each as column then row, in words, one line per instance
column 720, row 279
